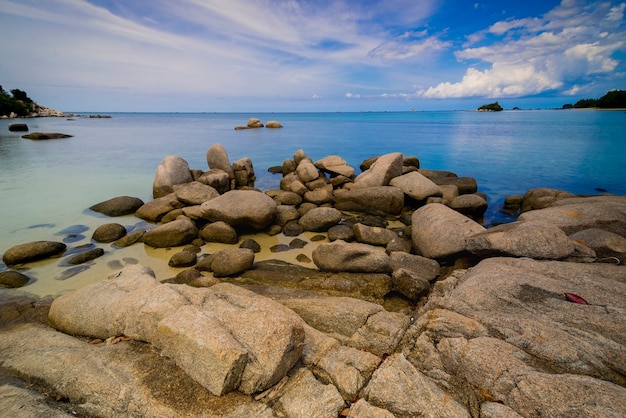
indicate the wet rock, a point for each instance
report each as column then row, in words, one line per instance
column 32, row 251
column 179, row 232
column 18, row 127
column 273, row 124
column 172, row 170
column 183, row 259
column 45, row 135
column 351, row 257
column 13, row 279
column 251, row 244
column 130, row 239
column 279, row 248
column 219, row 232
column 118, row 206
column 194, row 193
column 232, row 261
column 297, row 243
column 108, row 232
column 386, row 199
column 241, row 209
column 440, row 232
column 86, row 256
column 320, row 219
column 416, row 186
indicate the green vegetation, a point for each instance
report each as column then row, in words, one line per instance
column 614, row 99
column 491, row 107
column 17, row 102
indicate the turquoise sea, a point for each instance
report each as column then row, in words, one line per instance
column 47, row 186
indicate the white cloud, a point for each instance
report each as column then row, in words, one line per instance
column 404, row 48
column 564, row 47
column 353, row 95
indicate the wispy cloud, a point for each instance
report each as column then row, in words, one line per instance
column 569, row 44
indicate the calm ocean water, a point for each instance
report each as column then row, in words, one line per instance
column 46, row 186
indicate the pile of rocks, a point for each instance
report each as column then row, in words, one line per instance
column 521, row 319
column 256, row 123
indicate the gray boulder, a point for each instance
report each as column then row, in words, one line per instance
column 118, row 206
column 232, row 261
column 155, row 209
column 576, row 214
column 385, row 199
column 219, row 232
column 108, row 232
column 351, row 257
column 217, row 335
column 416, row 186
column 534, row 239
column 373, row 235
column 32, row 251
column 194, row 193
column 217, row 158
column 320, row 219
column 400, row 388
column 241, row 209
column 608, row 246
column 380, row 173
column 440, row 232
column 172, row 234
column 172, row 170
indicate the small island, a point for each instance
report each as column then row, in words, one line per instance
column 614, row 99
column 491, row 107
column 17, row 104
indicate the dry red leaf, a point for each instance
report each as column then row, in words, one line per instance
column 575, row 299
column 96, row 341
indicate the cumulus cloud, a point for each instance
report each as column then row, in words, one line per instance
column 564, row 47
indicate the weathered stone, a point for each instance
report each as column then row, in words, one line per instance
column 219, row 232
column 13, row 279
column 306, row 171
column 244, row 173
column 251, row 244
column 409, row 284
column 305, row 397
column 194, row 193
column 363, row 409
column 285, row 214
column 217, row 158
column 335, row 165
column 154, row 210
column 254, row 123
column 386, row 199
column 129, row 239
column 426, row 268
column 380, row 173
column 351, row 257
column 232, row 261
column 416, row 186
column 472, row 205
column 108, row 232
column 401, row 389
column 576, row 214
column 373, row 235
column 320, row 195
column 32, row 251
column 540, row 198
column 46, row 135
column 607, row 245
column 216, row 178
column 320, row 219
column 532, row 239
column 342, row 232
column 118, row 206
column 172, row 170
column 440, row 232
column 273, row 124
column 179, row 232
column 284, row 197
column 18, row 127
column 241, row 209
column 466, row 185
column 292, row 229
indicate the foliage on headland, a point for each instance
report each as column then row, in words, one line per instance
column 491, row 107
column 614, row 99
column 16, row 102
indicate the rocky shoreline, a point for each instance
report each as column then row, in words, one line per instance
column 410, row 306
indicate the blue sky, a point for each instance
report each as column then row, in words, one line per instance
column 316, row 55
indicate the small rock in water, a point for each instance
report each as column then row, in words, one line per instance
column 251, row 245
column 71, row 272
column 13, row 279
column 316, row 238
column 86, row 256
column 297, row 243
column 73, row 229
column 115, row 264
column 73, row 238
column 303, row 258
column 130, row 260
column 280, row 248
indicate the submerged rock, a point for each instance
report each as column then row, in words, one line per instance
column 32, row 251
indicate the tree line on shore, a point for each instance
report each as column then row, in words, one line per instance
column 17, row 101
column 614, row 99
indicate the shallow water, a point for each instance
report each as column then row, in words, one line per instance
column 47, row 186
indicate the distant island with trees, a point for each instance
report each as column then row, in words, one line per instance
column 491, row 107
column 17, row 104
column 614, row 99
